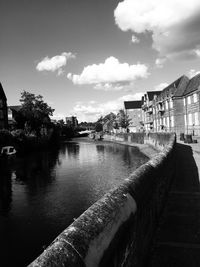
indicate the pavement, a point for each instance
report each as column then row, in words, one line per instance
column 177, row 242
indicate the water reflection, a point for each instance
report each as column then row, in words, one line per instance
column 5, row 187
column 41, row 193
column 73, row 149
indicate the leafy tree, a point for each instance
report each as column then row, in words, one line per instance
column 98, row 127
column 35, row 111
column 110, row 116
column 123, row 119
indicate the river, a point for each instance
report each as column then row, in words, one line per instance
column 42, row 193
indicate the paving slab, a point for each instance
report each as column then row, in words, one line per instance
column 177, row 242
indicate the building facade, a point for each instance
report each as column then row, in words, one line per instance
column 3, row 109
column 134, row 113
column 168, row 107
column 191, row 104
column 148, row 110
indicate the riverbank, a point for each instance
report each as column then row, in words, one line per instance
column 145, row 149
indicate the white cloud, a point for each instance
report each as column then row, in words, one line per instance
column 108, row 87
column 174, row 24
column 110, row 75
column 160, row 62
column 92, row 111
column 55, row 63
column 135, row 40
column 160, row 86
column 58, row 116
column 192, row 73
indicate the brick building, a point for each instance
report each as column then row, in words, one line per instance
column 148, row 113
column 168, row 107
column 3, row 109
column 134, row 112
column 191, row 103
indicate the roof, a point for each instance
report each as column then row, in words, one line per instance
column 15, row 108
column 151, row 94
column 192, row 85
column 176, row 88
column 132, row 104
column 2, row 94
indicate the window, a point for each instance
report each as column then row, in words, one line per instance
column 185, row 119
column 184, row 101
column 189, row 100
column 196, row 119
column 171, row 103
column 167, row 121
column 190, row 119
column 172, row 121
column 195, row 97
column 166, row 105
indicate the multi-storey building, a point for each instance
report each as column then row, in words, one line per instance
column 148, row 113
column 168, row 107
column 134, row 112
column 174, row 109
column 191, row 103
column 3, row 109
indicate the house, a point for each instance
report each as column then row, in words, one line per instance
column 148, row 110
column 134, row 112
column 3, row 109
column 191, row 104
column 168, row 107
column 13, row 115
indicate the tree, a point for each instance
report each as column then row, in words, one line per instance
column 123, row 119
column 35, row 111
column 98, row 127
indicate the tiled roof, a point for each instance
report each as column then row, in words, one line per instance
column 192, row 85
column 183, row 82
column 132, row 104
column 151, row 94
column 16, row 108
column 176, row 88
column 2, row 94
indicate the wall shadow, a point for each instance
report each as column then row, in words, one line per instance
column 186, row 177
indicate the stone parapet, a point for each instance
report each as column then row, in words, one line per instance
column 117, row 230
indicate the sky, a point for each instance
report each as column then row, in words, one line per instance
column 87, row 57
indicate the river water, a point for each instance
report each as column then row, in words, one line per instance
column 41, row 193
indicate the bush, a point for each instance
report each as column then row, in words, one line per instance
column 5, row 138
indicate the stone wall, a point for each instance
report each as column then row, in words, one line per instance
column 117, row 230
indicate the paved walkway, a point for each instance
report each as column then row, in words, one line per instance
column 178, row 238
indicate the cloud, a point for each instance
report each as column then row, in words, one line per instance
column 135, row 40
column 58, row 116
column 160, row 86
column 92, row 111
column 160, row 62
column 192, row 73
column 174, row 24
column 55, row 63
column 110, row 75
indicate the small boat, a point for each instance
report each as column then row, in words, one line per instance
column 8, row 151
